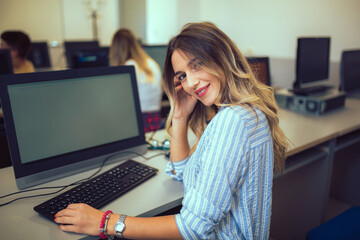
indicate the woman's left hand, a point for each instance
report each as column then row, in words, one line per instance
column 80, row 218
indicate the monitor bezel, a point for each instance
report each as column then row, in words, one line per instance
column 258, row 60
column 72, row 46
column 43, row 46
column 300, row 81
column 77, row 54
column 345, row 82
column 44, row 170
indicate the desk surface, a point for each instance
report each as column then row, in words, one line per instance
column 19, row 220
column 306, row 131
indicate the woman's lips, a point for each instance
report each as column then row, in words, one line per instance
column 202, row 91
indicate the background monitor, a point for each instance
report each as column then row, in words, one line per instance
column 5, row 62
column 350, row 70
column 39, row 55
column 158, row 53
column 73, row 46
column 62, row 122
column 312, row 60
column 93, row 57
column 261, row 68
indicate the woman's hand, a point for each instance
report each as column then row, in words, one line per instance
column 80, row 218
column 184, row 102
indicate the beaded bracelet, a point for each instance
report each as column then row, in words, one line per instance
column 103, row 224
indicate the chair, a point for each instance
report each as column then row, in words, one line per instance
column 345, row 226
column 261, row 68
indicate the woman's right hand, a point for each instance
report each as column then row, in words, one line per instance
column 184, row 103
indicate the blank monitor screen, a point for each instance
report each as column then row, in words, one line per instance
column 5, row 62
column 312, row 59
column 350, row 70
column 39, row 55
column 158, row 53
column 93, row 57
column 64, row 121
column 73, row 46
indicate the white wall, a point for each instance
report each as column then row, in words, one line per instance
column 161, row 20
column 134, row 17
column 271, row 27
column 59, row 20
column 78, row 24
column 262, row 27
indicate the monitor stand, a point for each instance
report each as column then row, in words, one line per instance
column 310, row 90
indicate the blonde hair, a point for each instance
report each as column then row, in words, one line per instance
column 124, row 46
column 220, row 57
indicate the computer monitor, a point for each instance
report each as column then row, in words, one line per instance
column 93, row 57
column 312, row 60
column 158, row 53
column 39, row 55
column 63, row 122
column 73, row 46
column 5, row 62
column 261, row 68
column 350, row 70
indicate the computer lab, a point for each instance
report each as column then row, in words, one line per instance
column 180, row 119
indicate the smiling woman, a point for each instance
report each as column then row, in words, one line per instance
column 194, row 80
column 228, row 174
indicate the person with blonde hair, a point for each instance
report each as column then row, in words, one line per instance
column 126, row 50
column 19, row 45
column 228, row 173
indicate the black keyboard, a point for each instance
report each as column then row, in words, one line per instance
column 101, row 189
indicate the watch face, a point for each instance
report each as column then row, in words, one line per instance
column 119, row 227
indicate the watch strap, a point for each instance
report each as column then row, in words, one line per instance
column 121, row 221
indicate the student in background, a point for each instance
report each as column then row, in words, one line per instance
column 19, row 45
column 126, row 50
column 228, row 174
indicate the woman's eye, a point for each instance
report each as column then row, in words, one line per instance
column 182, row 76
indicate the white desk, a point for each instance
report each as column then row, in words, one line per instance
column 19, row 221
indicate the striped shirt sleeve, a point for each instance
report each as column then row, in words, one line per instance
column 221, row 159
column 178, row 167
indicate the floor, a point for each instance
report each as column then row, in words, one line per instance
column 335, row 207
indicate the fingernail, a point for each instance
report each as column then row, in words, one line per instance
column 60, row 226
column 54, row 219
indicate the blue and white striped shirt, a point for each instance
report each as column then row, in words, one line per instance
column 228, row 179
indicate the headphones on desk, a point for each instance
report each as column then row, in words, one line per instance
column 154, row 144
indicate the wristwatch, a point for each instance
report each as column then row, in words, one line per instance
column 120, row 226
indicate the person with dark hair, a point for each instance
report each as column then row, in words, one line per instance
column 19, row 45
column 228, row 173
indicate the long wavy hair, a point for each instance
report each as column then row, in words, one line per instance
column 220, row 57
column 124, row 46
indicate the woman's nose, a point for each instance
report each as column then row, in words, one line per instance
column 192, row 80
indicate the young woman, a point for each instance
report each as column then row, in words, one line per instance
column 126, row 50
column 228, row 174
